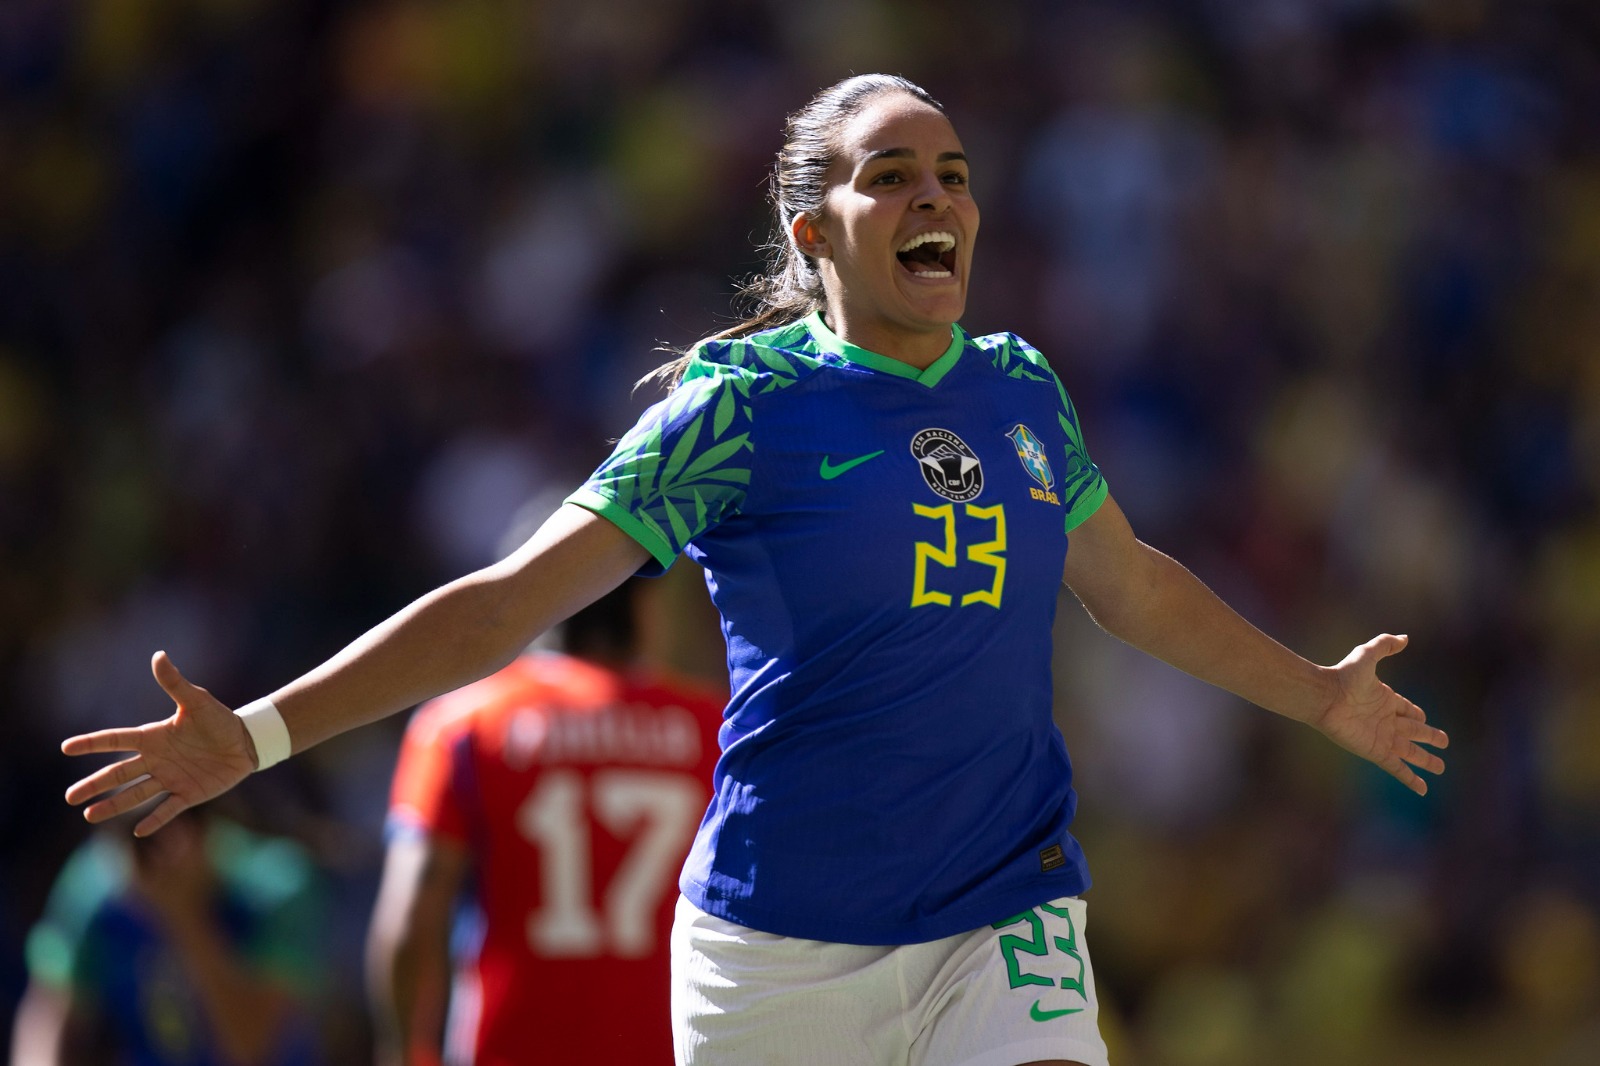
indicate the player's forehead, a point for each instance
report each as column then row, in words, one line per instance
column 896, row 122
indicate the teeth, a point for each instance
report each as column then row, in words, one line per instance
column 945, row 241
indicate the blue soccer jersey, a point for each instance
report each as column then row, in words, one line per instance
column 885, row 546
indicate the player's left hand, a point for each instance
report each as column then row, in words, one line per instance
column 1375, row 722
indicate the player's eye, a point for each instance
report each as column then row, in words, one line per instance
column 889, row 177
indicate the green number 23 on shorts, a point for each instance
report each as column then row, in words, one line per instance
column 1059, row 954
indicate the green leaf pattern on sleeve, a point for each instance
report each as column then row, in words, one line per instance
column 685, row 466
column 1083, row 487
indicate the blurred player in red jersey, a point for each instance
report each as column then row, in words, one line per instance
column 537, row 824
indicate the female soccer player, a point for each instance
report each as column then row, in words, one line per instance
column 882, row 502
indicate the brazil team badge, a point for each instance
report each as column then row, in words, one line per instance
column 1035, row 462
column 948, row 466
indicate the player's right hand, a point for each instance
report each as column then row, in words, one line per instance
column 199, row 753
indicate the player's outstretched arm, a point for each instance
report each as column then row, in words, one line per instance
column 1146, row 598
column 452, row 636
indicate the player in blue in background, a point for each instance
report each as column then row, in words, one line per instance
column 201, row 947
column 883, row 504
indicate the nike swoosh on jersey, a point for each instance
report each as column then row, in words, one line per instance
column 829, row 471
column 1045, row 1015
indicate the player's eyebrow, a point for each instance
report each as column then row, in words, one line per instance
column 907, row 153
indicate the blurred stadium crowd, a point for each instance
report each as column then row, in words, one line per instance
column 302, row 301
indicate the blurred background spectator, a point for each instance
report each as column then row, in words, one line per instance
column 301, row 300
column 205, row 948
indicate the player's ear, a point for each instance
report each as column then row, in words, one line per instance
column 808, row 237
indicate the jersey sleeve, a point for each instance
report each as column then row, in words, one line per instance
column 1083, row 487
column 425, row 796
column 681, row 470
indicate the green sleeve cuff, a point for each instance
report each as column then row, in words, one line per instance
column 1088, row 504
column 624, row 519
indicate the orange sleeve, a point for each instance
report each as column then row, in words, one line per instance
column 425, row 795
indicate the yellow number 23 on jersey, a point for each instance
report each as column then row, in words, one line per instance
column 989, row 553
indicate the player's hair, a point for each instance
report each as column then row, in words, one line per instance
column 790, row 288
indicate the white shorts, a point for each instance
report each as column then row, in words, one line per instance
column 999, row 996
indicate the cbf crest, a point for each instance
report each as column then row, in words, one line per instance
column 948, row 466
column 1031, row 451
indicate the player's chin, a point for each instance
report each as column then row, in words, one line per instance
column 941, row 310
column 937, row 299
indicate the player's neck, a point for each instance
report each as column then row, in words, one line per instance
column 917, row 347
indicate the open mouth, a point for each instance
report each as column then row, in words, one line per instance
column 929, row 255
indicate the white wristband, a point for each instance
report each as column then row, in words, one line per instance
column 267, row 731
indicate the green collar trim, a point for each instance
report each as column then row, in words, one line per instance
column 832, row 342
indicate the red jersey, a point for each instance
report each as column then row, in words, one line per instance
column 578, row 791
